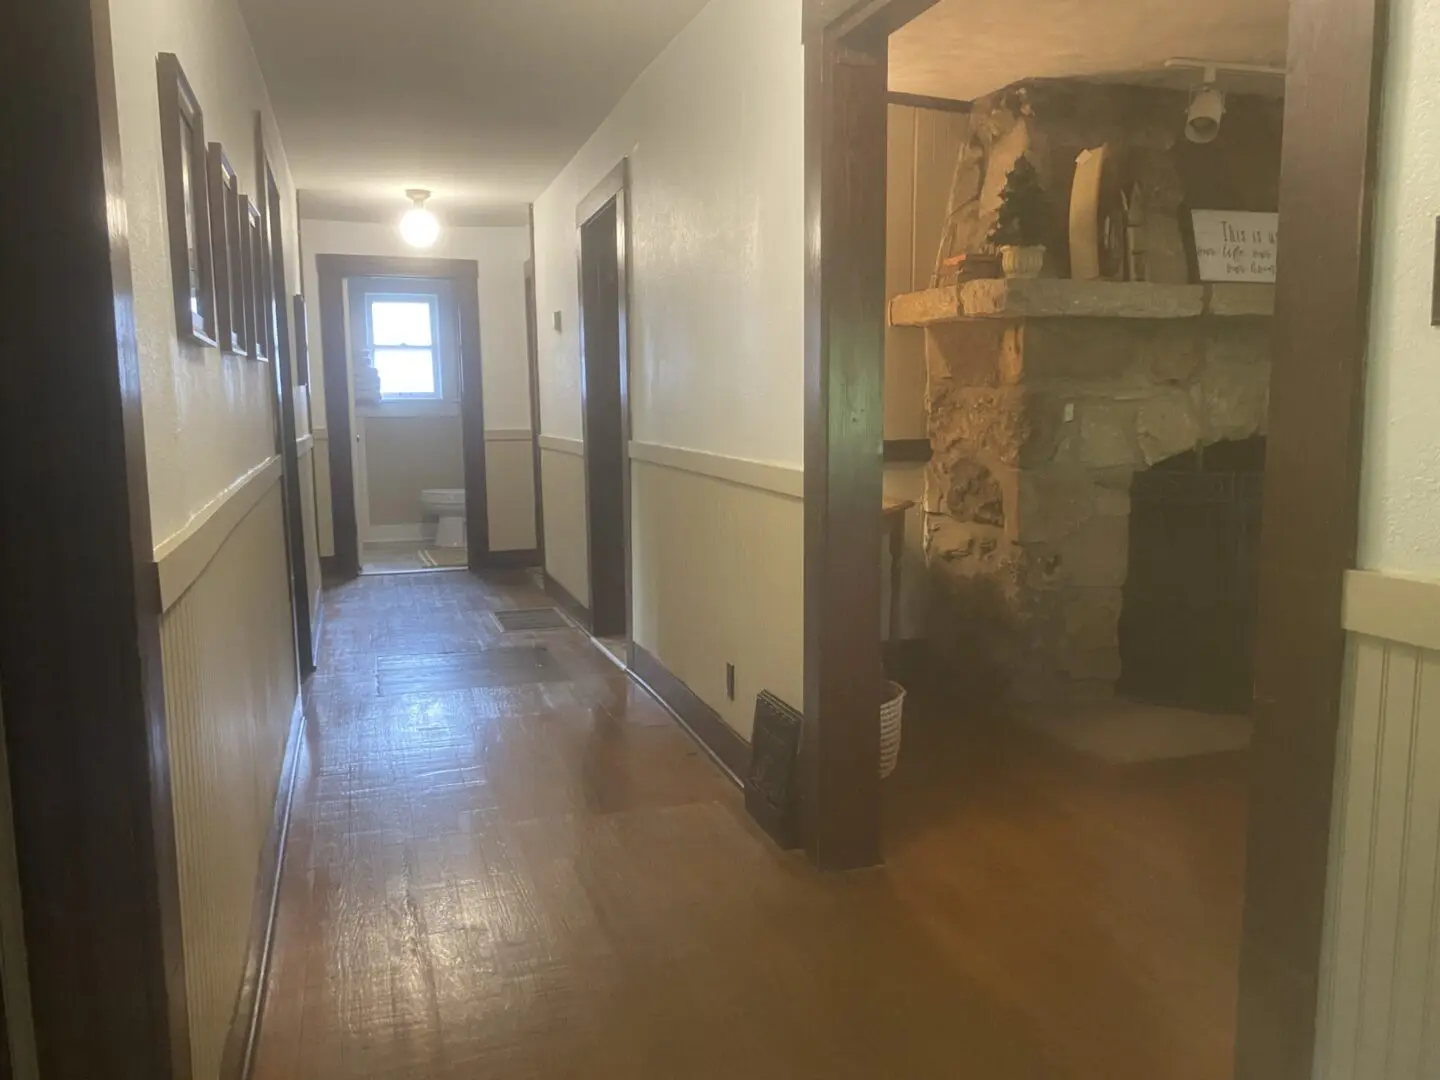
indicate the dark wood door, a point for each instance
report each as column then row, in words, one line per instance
column 604, row 419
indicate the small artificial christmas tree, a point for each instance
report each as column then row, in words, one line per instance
column 1022, row 209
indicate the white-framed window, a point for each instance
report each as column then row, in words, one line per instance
column 403, row 333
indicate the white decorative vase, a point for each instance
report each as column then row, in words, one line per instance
column 1022, row 262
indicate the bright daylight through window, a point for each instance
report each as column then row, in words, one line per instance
column 402, row 346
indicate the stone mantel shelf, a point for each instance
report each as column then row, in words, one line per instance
column 1049, row 298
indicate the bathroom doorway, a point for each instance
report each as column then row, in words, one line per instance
column 409, row 453
column 604, row 288
column 404, row 396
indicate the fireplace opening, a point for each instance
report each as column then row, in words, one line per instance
column 1187, row 621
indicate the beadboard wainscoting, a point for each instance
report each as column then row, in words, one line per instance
column 510, row 489
column 230, row 691
column 562, row 482
column 1380, row 996
column 718, row 574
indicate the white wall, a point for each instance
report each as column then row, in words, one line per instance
column 714, row 131
column 1380, row 982
column 1400, row 504
column 500, row 254
column 208, row 418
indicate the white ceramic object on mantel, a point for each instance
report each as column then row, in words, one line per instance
column 1022, row 262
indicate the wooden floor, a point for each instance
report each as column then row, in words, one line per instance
column 510, row 864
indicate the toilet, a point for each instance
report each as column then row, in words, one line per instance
column 447, row 504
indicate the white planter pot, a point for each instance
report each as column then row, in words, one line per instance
column 1022, row 262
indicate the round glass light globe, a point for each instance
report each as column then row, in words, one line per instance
column 419, row 227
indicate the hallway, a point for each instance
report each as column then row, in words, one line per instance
column 511, row 863
column 525, row 869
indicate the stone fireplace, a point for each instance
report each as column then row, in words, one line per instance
column 1055, row 405
column 1046, row 400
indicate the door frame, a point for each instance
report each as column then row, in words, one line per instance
column 283, row 357
column 80, row 656
column 1309, row 539
column 464, row 275
column 614, row 188
column 532, row 353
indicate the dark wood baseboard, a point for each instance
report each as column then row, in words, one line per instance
column 721, row 740
column 237, row 1059
column 567, row 603
column 333, row 571
column 510, row 560
column 318, row 635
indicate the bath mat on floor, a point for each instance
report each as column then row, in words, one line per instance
column 515, row 622
column 1128, row 733
column 449, row 558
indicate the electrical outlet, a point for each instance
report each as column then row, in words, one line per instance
column 559, row 322
column 730, row 681
column 1069, row 412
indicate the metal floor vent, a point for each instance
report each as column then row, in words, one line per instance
column 529, row 619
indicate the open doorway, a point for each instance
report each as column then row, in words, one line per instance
column 1075, row 799
column 409, row 444
column 601, row 220
column 405, row 403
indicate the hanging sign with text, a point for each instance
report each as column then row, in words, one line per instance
column 1236, row 245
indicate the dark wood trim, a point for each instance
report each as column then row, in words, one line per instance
column 925, row 101
column 239, row 1053
column 615, row 183
column 708, row 727
column 472, row 422
column 513, row 560
column 300, row 329
column 846, row 102
column 859, row 22
column 80, row 660
column 900, row 451
column 1312, row 484
column 320, row 616
column 613, row 189
column 532, row 344
column 332, row 271
column 332, row 572
column 566, row 602
column 284, row 386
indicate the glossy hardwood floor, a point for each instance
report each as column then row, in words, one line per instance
column 507, row 863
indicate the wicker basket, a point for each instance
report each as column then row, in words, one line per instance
column 890, row 718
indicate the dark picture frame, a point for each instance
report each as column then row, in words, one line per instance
column 231, row 308
column 300, row 327
column 187, row 203
column 259, row 291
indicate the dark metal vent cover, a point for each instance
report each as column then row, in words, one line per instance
column 530, row 619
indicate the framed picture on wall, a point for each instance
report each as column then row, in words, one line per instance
column 268, row 196
column 259, row 258
column 301, row 329
column 231, row 307
column 187, row 204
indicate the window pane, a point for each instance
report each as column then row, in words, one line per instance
column 400, row 322
column 405, row 372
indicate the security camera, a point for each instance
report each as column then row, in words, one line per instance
column 1207, row 109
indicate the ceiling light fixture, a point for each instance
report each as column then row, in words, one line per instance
column 1207, row 101
column 419, row 227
